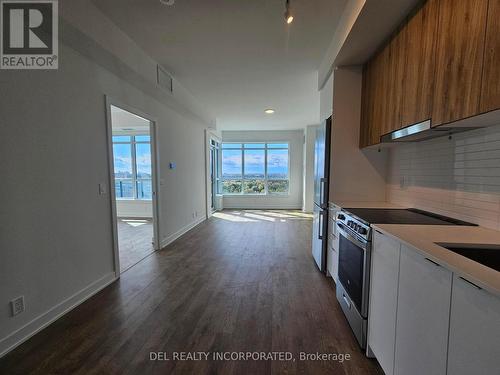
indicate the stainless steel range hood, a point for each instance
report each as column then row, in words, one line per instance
column 421, row 132
column 424, row 130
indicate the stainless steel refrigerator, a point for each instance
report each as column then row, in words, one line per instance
column 321, row 187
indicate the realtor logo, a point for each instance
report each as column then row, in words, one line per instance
column 29, row 37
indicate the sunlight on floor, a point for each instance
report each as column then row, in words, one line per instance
column 258, row 216
column 232, row 217
column 250, row 216
column 135, row 222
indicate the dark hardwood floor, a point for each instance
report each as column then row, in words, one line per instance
column 135, row 241
column 242, row 281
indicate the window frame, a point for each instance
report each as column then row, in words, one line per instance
column 133, row 149
column 242, row 150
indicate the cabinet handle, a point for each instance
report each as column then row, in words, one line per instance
column 471, row 283
column 379, row 232
column 437, row 264
column 346, row 301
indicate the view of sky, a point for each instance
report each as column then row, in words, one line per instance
column 123, row 158
column 277, row 161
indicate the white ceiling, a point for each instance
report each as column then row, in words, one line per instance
column 238, row 57
column 124, row 121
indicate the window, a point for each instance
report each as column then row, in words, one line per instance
column 215, row 169
column 255, row 168
column 132, row 161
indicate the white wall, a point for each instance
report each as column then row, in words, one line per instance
column 291, row 201
column 308, row 197
column 55, row 232
column 134, row 208
column 355, row 175
column 326, row 99
column 458, row 177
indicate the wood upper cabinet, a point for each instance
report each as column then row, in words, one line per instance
column 370, row 104
column 490, row 93
column 364, row 130
column 379, row 92
column 394, row 69
column 442, row 64
column 378, row 98
column 459, row 59
column 419, row 64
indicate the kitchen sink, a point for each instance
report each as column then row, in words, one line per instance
column 487, row 255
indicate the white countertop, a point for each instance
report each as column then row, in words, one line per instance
column 358, row 204
column 424, row 238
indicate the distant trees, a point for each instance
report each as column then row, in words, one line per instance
column 254, row 186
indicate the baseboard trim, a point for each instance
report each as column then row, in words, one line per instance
column 167, row 241
column 31, row 328
column 257, row 207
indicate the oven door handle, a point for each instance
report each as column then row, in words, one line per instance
column 351, row 238
column 346, row 300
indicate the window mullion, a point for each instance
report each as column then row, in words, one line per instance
column 134, row 168
column 242, row 170
column 266, row 191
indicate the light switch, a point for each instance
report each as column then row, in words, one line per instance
column 172, row 165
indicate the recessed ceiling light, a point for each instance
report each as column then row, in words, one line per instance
column 288, row 13
column 269, row 111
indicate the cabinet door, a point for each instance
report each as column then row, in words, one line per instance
column 459, row 61
column 380, row 84
column 364, row 129
column 474, row 331
column 383, row 300
column 419, row 64
column 423, row 315
column 490, row 95
column 369, row 123
column 393, row 87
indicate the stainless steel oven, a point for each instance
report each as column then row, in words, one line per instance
column 354, row 272
column 355, row 246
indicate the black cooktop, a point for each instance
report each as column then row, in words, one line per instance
column 403, row 216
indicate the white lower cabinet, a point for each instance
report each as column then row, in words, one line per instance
column 423, row 319
column 423, row 315
column 383, row 300
column 333, row 244
column 333, row 256
column 474, row 345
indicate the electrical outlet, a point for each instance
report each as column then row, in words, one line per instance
column 17, row 305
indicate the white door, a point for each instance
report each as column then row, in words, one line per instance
column 423, row 315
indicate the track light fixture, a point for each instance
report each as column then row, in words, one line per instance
column 288, row 13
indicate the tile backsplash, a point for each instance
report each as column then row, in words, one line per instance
column 457, row 177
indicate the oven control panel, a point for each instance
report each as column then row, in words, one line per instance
column 354, row 225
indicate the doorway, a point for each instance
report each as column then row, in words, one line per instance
column 214, row 173
column 132, row 151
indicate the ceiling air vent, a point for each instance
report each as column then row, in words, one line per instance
column 164, row 79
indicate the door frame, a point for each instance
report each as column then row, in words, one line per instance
column 110, row 101
column 210, row 134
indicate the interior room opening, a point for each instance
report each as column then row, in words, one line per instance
column 133, row 186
